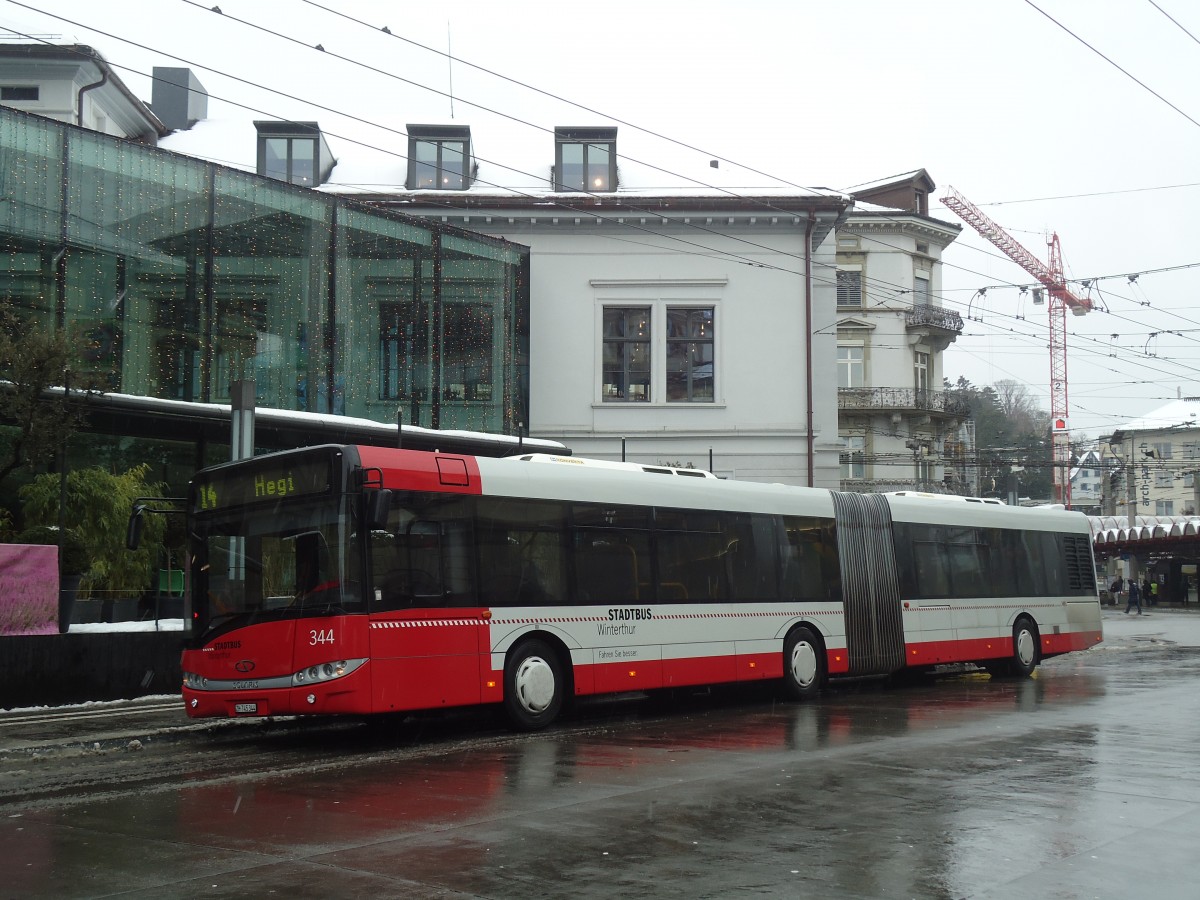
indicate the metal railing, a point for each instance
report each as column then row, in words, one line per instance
column 934, row 316
column 902, row 398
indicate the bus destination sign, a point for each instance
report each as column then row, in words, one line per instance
column 286, row 479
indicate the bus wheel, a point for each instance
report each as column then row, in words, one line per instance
column 533, row 685
column 803, row 663
column 1025, row 648
column 1025, row 656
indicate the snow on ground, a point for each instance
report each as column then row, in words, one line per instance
column 151, row 625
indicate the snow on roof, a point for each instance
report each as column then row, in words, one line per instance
column 380, row 166
column 1183, row 413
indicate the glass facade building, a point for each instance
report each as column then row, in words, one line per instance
column 180, row 276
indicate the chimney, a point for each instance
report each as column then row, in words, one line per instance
column 178, row 98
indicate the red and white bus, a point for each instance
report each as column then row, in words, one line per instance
column 358, row 580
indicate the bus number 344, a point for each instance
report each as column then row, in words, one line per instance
column 323, row 636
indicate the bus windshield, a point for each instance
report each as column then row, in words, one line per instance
column 258, row 562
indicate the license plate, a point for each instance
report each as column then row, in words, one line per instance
column 245, row 708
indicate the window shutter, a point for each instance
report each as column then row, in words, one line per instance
column 849, row 288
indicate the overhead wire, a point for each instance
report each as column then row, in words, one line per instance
column 878, row 283
column 1174, row 20
column 708, row 251
column 1111, row 193
column 899, row 289
column 573, row 210
column 389, row 33
column 1119, row 68
column 561, row 99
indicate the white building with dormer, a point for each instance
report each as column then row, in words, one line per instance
column 676, row 319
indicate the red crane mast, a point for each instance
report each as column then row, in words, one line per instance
column 1061, row 299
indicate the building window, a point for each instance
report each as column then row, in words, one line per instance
column 439, row 157
column 658, row 352
column 290, row 159
column 690, row 355
column 1162, row 451
column 585, row 159
column 921, row 371
column 851, row 366
column 626, row 375
column 19, row 92
column 403, row 351
column 849, row 288
column 1164, row 507
column 1163, row 479
column 921, row 295
column 853, row 457
column 467, row 350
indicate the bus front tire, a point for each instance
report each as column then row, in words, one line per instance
column 803, row 663
column 534, row 685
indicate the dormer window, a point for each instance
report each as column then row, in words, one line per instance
column 294, row 152
column 439, row 158
column 585, row 159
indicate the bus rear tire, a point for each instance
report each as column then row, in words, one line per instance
column 534, row 685
column 1025, row 656
column 803, row 663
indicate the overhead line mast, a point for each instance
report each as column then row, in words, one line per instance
column 1061, row 298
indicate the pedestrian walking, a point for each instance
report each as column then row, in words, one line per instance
column 1116, row 589
column 1146, row 588
column 1135, row 598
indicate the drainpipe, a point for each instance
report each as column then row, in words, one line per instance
column 83, row 90
column 808, row 337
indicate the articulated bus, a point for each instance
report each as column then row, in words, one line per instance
column 361, row 580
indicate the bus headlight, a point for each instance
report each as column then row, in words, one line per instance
column 323, row 672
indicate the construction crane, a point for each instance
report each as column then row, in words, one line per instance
column 1061, row 299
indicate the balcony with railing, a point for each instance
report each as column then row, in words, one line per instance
column 922, row 316
column 903, row 400
column 938, row 327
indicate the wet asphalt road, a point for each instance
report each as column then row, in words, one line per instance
column 1082, row 782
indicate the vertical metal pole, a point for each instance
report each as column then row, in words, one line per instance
column 622, row 449
column 241, row 446
column 242, row 398
column 1131, row 504
column 63, row 627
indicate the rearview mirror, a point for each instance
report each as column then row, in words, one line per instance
column 133, row 534
column 379, row 504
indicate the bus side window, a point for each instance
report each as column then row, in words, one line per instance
column 969, row 560
column 751, row 557
column 521, row 557
column 811, row 570
column 606, row 568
